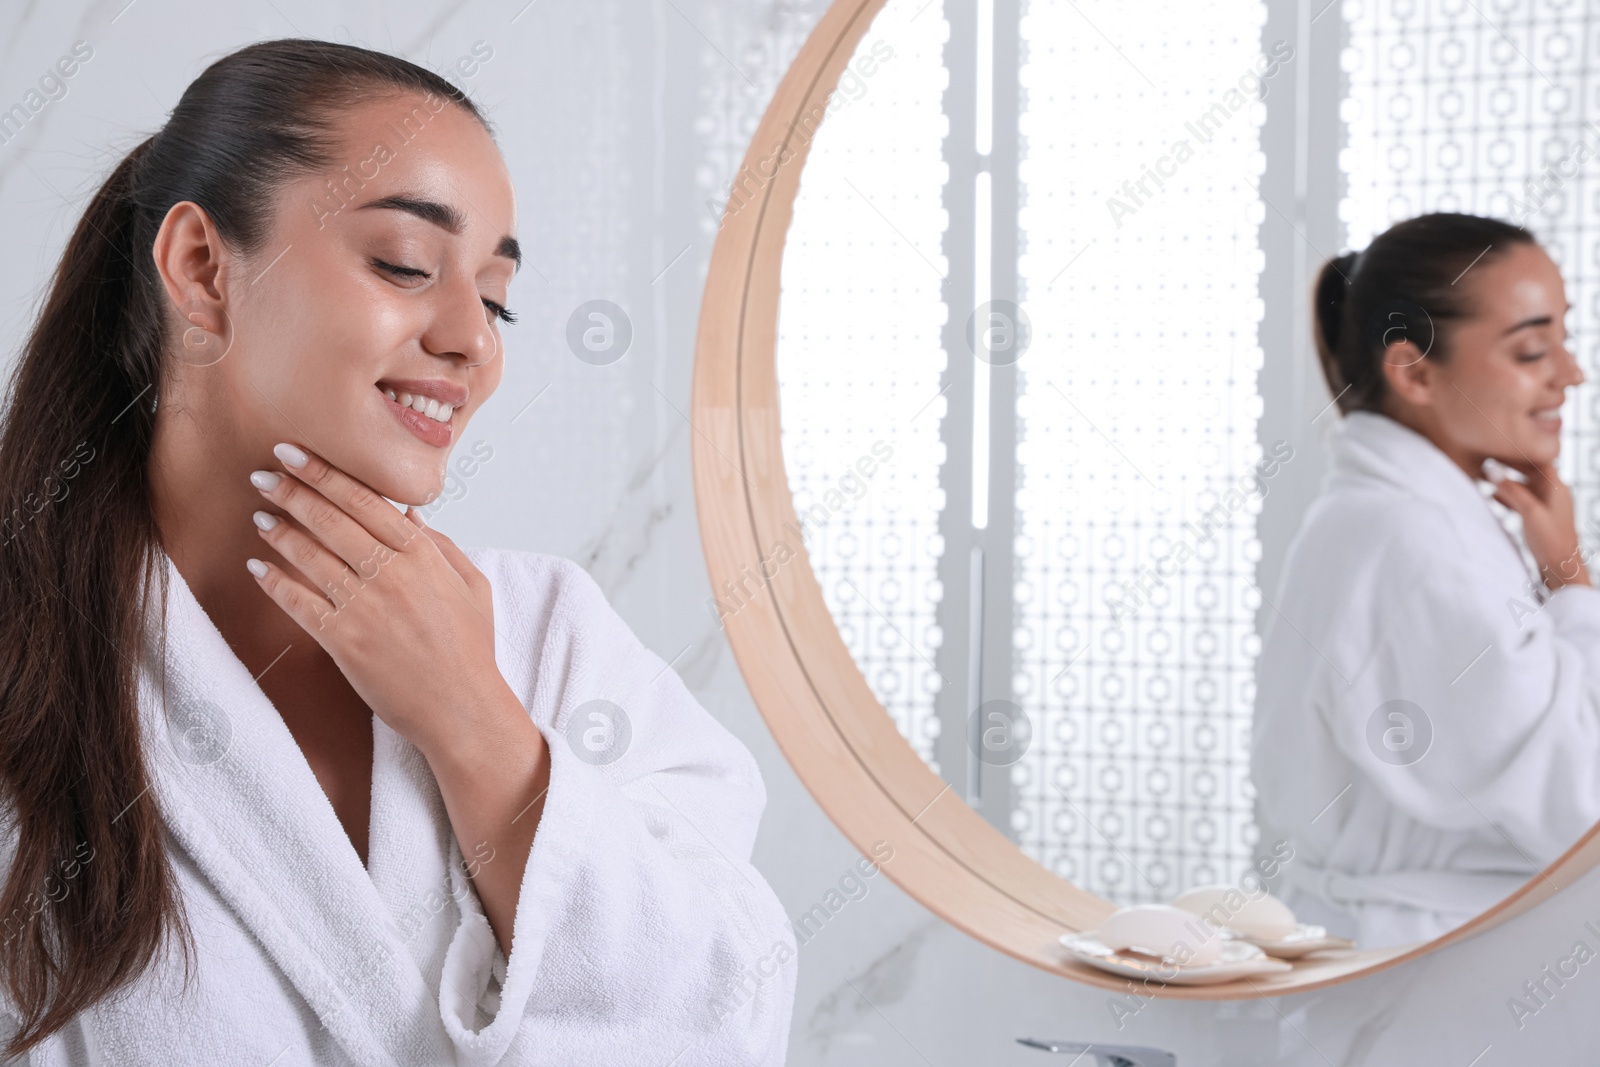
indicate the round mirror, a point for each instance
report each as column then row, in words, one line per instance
column 1010, row 423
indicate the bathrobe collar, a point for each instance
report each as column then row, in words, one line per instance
column 1374, row 447
column 238, row 796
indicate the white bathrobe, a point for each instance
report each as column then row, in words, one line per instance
column 643, row 936
column 1403, row 585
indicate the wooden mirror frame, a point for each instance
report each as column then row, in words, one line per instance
column 833, row 730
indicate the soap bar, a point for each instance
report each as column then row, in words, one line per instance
column 1260, row 917
column 1161, row 930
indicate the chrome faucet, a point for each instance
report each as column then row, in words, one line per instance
column 1108, row 1055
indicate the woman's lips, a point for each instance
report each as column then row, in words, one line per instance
column 432, row 431
column 1548, row 419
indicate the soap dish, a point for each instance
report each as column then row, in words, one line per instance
column 1238, row 959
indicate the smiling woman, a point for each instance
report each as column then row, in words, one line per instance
column 389, row 799
column 1435, row 737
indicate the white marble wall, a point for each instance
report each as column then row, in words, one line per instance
column 619, row 118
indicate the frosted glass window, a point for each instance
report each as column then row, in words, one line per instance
column 1136, row 546
column 1138, row 407
column 860, row 357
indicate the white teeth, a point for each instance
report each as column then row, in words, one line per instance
column 423, row 405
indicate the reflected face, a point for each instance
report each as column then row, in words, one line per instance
column 1500, row 392
column 392, row 285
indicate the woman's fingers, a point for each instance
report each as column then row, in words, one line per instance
column 339, row 540
column 446, row 546
column 305, row 606
column 1547, row 528
column 1517, row 496
column 1509, row 490
column 325, row 518
column 356, row 505
column 458, row 560
column 322, row 569
column 418, row 643
column 1542, row 478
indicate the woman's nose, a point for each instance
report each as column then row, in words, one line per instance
column 465, row 333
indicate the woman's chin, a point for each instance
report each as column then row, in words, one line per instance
column 1538, row 450
column 414, row 497
column 407, row 484
column 1545, row 448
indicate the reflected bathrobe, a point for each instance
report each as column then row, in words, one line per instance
column 643, row 936
column 1427, row 720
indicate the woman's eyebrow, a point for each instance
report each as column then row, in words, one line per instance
column 446, row 216
column 1541, row 320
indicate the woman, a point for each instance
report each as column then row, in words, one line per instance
column 290, row 777
column 1427, row 724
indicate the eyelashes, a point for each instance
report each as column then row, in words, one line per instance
column 500, row 311
column 504, row 314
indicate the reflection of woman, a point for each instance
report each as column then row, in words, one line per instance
column 403, row 803
column 1427, row 725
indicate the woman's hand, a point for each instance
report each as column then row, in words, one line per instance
column 1548, row 524
column 401, row 610
column 410, row 621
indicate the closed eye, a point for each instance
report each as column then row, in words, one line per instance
column 500, row 311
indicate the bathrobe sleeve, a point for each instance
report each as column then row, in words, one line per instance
column 642, row 935
column 8, row 1030
column 10, row 1021
column 1499, row 732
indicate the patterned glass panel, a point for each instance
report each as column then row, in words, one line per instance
column 1136, row 548
column 860, row 357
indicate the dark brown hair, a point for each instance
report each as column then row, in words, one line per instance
column 1402, row 286
column 90, row 898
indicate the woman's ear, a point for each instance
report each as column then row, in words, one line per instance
column 1409, row 374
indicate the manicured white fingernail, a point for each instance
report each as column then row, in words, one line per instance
column 266, row 481
column 265, row 520
column 256, row 567
column 290, row 455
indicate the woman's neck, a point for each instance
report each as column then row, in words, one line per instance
column 1423, row 422
column 202, row 500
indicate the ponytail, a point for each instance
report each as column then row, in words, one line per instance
column 1328, row 301
column 89, row 890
